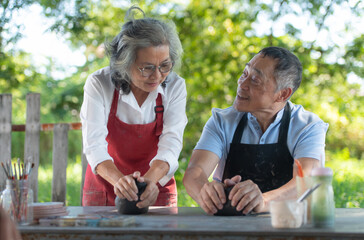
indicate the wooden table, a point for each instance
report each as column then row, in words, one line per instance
column 193, row 223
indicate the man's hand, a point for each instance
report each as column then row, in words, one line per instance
column 228, row 182
column 212, row 197
column 212, row 194
column 246, row 196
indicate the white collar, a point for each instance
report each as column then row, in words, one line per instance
column 152, row 96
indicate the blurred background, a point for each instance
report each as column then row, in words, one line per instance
column 51, row 46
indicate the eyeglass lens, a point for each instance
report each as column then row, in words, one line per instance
column 150, row 69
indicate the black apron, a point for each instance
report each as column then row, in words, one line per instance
column 268, row 165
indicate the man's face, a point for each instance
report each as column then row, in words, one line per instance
column 256, row 91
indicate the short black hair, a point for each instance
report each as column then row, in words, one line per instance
column 288, row 70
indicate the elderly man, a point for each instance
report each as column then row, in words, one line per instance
column 253, row 144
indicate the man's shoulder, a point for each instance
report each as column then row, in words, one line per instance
column 224, row 112
column 299, row 113
column 226, row 115
column 305, row 120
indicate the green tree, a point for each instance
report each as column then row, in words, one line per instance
column 218, row 38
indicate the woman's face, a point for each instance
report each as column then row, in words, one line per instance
column 144, row 79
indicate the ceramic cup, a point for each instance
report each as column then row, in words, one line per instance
column 287, row 213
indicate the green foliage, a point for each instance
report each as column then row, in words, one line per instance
column 74, row 173
column 219, row 38
column 348, row 180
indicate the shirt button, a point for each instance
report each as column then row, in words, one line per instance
column 262, row 140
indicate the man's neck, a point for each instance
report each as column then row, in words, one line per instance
column 265, row 118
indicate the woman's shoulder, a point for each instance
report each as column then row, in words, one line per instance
column 100, row 74
column 175, row 84
column 174, row 80
column 100, row 79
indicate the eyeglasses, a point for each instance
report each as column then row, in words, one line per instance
column 148, row 70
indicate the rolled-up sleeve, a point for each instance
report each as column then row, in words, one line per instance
column 174, row 122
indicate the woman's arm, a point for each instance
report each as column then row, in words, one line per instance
column 94, row 113
column 108, row 171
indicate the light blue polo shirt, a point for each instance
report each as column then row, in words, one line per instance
column 306, row 134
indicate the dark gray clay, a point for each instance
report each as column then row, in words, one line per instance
column 227, row 209
column 129, row 207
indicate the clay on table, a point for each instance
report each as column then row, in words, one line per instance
column 227, row 209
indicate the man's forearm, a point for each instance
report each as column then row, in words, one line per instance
column 288, row 190
column 193, row 181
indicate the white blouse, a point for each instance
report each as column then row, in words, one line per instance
column 98, row 95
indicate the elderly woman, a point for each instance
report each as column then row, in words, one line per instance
column 133, row 117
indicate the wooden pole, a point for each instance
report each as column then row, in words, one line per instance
column 60, row 158
column 32, row 134
column 5, row 133
column 84, row 167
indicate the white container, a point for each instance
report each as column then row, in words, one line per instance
column 287, row 213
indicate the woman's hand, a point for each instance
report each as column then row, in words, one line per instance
column 150, row 194
column 125, row 187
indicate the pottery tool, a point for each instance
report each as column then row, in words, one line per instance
column 307, row 193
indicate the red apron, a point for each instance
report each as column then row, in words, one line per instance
column 132, row 146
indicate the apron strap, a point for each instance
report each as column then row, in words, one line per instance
column 240, row 129
column 159, row 109
column 283, row 130
column 114, row 104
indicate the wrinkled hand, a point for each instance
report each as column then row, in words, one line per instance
column 125, row 187
column 228, row 182
column 247, row 196
column 150, row 194
column 212, row 197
